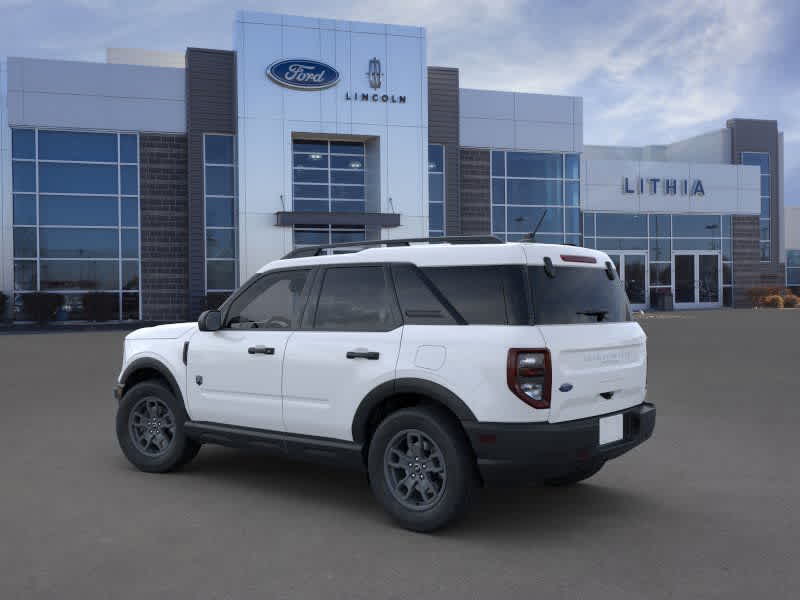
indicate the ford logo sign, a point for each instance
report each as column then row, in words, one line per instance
column 303, row 74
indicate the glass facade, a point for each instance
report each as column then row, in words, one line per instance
column 659, row 236
column 219, row 160
column 436, row 192
column 328, row 176
column 793, row 268
column 761, row 160
column 528, row 187
column 76, row 219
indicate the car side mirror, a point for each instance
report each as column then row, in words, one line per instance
column 210, row 320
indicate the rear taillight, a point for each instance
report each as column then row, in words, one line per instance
column 529, row 376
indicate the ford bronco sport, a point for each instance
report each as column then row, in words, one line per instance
column 434, row 367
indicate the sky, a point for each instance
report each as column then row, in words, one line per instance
column 649, row 72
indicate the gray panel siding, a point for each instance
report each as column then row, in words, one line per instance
column 443, row 128
column 164, row 227
column 210, row 108
column 476, row 216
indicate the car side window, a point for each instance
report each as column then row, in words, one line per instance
column 271, row 302
column 419, row 304
column 355, row 299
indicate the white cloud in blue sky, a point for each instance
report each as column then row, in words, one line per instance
column 650, row 72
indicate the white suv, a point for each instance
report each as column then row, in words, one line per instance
column 433, row 367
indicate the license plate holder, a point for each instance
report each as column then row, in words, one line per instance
column 610, row 430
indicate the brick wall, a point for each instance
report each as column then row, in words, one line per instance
column 165, row 231
column 476, row 216
column 443, row 128
column 748, row 271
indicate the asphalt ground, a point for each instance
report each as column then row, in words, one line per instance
column 708, row 508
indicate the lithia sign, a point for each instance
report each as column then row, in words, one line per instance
column 306, row 74
column 667, row 186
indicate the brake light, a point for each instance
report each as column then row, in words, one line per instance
column 578, row 259
column 529, row 376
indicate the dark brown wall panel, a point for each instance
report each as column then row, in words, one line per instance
column 443, row 129
column 476, row 217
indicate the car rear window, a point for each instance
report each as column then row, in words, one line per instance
column 577, row 295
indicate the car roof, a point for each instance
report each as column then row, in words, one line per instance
column 439, row 255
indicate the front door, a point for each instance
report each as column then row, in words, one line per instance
column 632, row 270
column 696, row 279
column 234, row 375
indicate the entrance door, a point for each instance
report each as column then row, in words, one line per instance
column 696, row 279
column 632, row 270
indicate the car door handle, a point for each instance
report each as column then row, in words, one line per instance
column 365, row 354
column 260, row 350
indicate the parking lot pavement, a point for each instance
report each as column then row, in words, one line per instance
column 706, row 509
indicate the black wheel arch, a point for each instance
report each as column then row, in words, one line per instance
column 146, row 368
column 403, row 392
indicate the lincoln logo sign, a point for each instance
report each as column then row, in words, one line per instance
column 302, row 74
column 668, row 186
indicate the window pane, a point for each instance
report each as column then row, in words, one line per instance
column 23, row 144
column 524, row 219
column 354, row 299
column 417, row 302
column 436, row 217
column 793, row 258
column 130, row 212
column 765, row 208
column 727, row 297
column 130, row 274
column 573, row 166
column 310, row 146
column 727, row 273
column 436, row 187
column 272, row 302
column 622, row 243
column 24, row 209
column 130, row 307
column 344, row 162
column 352, row 177
column 311, row 205
column 765, row 251
column 759, row 159
column 219, row 149
column 25, row 275
column 498, row 191
column 763, row 229
column 695, row 244
column 312, row 237
column 529, row 164
column 793, row 277
column 589, row 242
column 498, row 218
column 660, row 226
column 572, row 189
column 221, row 274
column 765, row 185
column 77, row 179
column 318, row 161
column 311, row 175
column 498, row 163
column 347, row 148
column 220, row 243
column 661, row 274
column 25, row 242
column 623, row 225
column 521, row 191
column 78, row 243
column 79, row 275
column 352, row 192
column 23, row 176
column 130, row 243
column 588, row 224
column 74, row 145
column 660, row 249
column 348, row 206
column 219, row 181
column 340, row 236
column 727, row 226
column 219, row 212
column 310, row 191
column 129, row 180
column 572, row 220
column 128, row 149
column 435, row 158
column 77, row 210
column 727, row 249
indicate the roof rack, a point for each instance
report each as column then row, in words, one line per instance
column 458, row 239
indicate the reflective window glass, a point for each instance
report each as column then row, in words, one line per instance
column 765, row 208
column 727, row 249
column 130, row 212
column 25, row 242
column 766, row 251
column 219, row 181
column 23, row 176
column 759, row 159
column 695, row 244
column 80, row 275
column 660, row 274
column 696, row 225
column 25, row 275
column 498, row 163
column 436, row 217
column 435, row 158
column 23, row 143
column 588, row 224
column 319, row 161
column 355, row 299
column 765, row 185
column 436, row 187
column 310, row 191
column 311, row 175
column 347, row 206
column 219, row 149
column 351, row 192
column 77, row 146
column 66, row 178
column 57, row 242
column 353, row 177
column 128, row 148
column 526, row 191
column 345, row 162
column 660, row 226
column 340, row 235
column 24, row 209
column 524, row 219
column 660, row 249
column 621, row 243
column 129, row 180
column 573, row 166
column 498, row 191
column 727, row 225
column 220, row 243
column 529, row 164
column 130, row 243
column 77, row 210
column 130, row 275
column 130, row 307
column 572, row 220
column 311, row 205
column 793, row 258
column 622, row 225
column 572, row 190
column 219, row 212
column 311, row 237
column 310, row 146
column 347, row 148
column 220, row 274
column 763, row 228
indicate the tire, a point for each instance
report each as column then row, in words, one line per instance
column 576, row 475
column 152, row 411
column 416, row 445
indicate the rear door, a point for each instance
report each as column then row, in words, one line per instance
column 598, row 352
column 348, row 345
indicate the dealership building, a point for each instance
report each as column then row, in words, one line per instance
column 165, row 179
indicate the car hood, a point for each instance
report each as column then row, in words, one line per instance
column 162, row 332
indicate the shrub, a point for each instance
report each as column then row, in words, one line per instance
column 773, row 301
column 41, row 306
column 3, row 306
column 790, row 301
column 98, row 306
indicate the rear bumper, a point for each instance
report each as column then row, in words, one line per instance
column 537, row 451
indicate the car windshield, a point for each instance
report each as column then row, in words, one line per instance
column 568, row 295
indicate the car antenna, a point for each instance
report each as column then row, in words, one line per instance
column 532, row 236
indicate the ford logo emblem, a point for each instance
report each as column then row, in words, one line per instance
column 303, row 74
